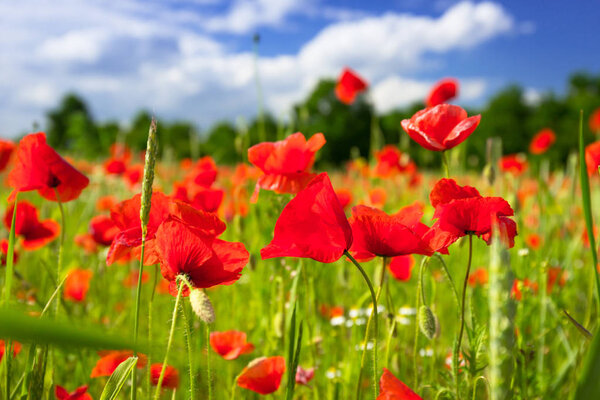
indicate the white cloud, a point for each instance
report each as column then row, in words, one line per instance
column 132, row 54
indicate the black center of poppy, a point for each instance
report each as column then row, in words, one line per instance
column 53, row 181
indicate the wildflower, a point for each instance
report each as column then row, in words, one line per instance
column 110, row 360
column 35, row 233
column 444, row 90
column 6, row 150
column 401, row 266
column 170, row 379
column 16, row 348
column 78, row 394
column 77, row 284
column 348, row 86
column 231, row 344
column 262, row 375
column 303, row 376
column 592, row 157
column 479, row 277
column 391, row 388
column 542, row 141
column 515, row 164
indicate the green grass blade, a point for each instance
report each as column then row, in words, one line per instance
column 291, row 377
column 587, row 387
column 117, row 379
column 587, row 205
column 10, row 256
column 23, row 328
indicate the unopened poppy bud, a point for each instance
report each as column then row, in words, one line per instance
column 151, row 148
column 202, row 306
column 427, row 322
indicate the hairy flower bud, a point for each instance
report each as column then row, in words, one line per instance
column 202, row 306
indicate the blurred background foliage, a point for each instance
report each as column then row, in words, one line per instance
column 351, row 131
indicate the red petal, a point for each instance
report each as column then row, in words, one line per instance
column 263, row 375
column 391, row 388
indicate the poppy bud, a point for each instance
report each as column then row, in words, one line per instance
column 427, row 322
column 151, row 148
column 202, row 306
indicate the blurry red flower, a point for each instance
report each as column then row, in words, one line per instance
column 105, row 203
column 184, row 248
column 444, row 90
column 391, row 388
column 401, row 266
column 103, row 229
column 262, row 375
column 16, row 348
column 110, row 360
column 542, row 141
column 391, row 161
column 518, row 285
column 441, row 127
column 115, row 166
column 461, row 210
column 6, row 150
column 349, row 85
column 133, row 176
column 78, row 394
column 479, row 277
column 77, row 284
column 376, row 233
column 39, row 167
column 231, row 344
column 86, row 242
column 592, row 157
column 514, row 164
column 208, row 200
column 171, row 378
column 595, row 121
column 312, row 225
column 344, row 196
column 377, row 197
column 4, row 253
column 534, row 241
column 286, row 163
column 132, row 279
column 35, row 233
column 556, row 275
column 303, row 376
column 204, row 172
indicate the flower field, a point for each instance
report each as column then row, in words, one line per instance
column 145, row 277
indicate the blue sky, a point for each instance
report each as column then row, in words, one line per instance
column 192, row 59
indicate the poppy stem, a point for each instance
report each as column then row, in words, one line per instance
column 61, row 243
column 456, row 355
column 170, row 341
column 208, row 368
column 136, row 318
column 376, row 326
column 423, row 265
column 188, row 334
column 446, row 163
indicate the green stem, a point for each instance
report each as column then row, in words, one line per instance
column 61, row 244
column 10, row 256
column 376, row 325
column 446, row 163
column 208, row 368
column 188, row 334
column 456, row 355
column 169, row 342
column 150, row 356
column 417, row 306
column 136, row 318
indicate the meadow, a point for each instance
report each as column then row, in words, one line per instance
column 141, row 277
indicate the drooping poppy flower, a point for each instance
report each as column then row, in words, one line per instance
column 77, row 284
column 441, row 127
column 401, row 266
column 312, row 225
column 592, row 157
column 392, row 388
column 183, row 248
column 6, row 150
column 595, row 121
column 103, row 229
column 16, row 348
column 391, row 161
column 39, row 167
column 231, row 344
column 170, row 379
column 515, row 164
column 35, row 233
column 376, row 233
column 78, row 394
column 461, row 210
column 263, row 375
column 4, row 253
column 444, row 90
column 286, row 163
column 349, row 85
column 479, row 277
column 110, row 360
column 304, row 376
column 542, row 141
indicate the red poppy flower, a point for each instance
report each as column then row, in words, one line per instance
column 344, row 196
column 231, row 344
column 461, row 210
column 35, row 233
column 103, row 229
column 105, row 203
column 133, row 176
column 285, row 163
column 444, row 90
column 592, row 157
column 441, row 127
column 595, row 121
column 303, row 376
column 377, row 234
column 479, row 277
column 349, row 85
column 16, row 348
column 6, row 150
column 204, row 172
column 514, row 164
column 312, row 225
column 170, row 379
column 115, row 166
column 391, row 161
column 77, row 284
column 522, row 284
column 263, row 375
column 208, row 200
column 542, row 141
column 78, row 394
column 534, row 241
column 555, row 275
column 39, row 167
column 184, row 248
column 401, row 267
column 377, row 197
column 392, row 388
column 132, row 279
column 4, row 253
column 110, row 360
